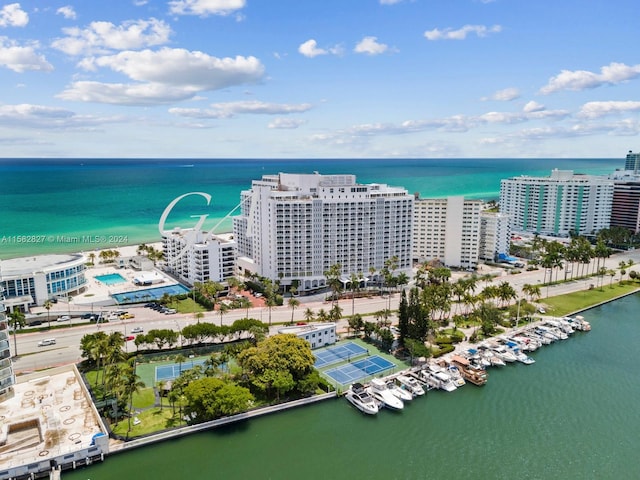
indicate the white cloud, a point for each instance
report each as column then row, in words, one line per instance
column 601, row 109
column 506, row 95
column 310, row 49
column 230, row 109
column 166, row 75
column 104, row 37
column 533, row 107
column 257, row 107
column 12, row 15
column 198, row 113
column 370, row 46
column 389, row 2
column 205, row 8
column 461, row 33
column 67, row 12
column 22, row 58
column 286, row 123
column 49, row 118
column 124, row 94
column 611, row 74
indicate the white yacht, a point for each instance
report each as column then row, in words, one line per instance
column 501, row 352
column 441, row 378
column 401, row 393
column 411, row 384
column 361, row 399
column 378, row 389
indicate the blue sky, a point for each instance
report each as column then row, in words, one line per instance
column 319, row 78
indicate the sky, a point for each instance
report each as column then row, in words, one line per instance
column 319, row 78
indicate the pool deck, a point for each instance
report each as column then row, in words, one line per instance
column 98, row 293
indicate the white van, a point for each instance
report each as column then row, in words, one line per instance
column 47, row 341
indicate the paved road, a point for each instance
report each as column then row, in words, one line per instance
column 66, row 349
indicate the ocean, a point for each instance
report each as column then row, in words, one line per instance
column 72, row 205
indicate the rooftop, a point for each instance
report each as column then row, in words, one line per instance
column 50, row 414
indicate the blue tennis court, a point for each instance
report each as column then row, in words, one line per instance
column 169, row 372
column 337, row 354
column 359, row 369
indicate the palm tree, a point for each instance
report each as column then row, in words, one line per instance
column 131, row 384
column 179, row 359
column 333, row 280
column 354, row 281
column 532, row 291
column 322, row 315
column 47, row 305
column 16, row 320
column 222, row 309
column 293, row 303
column 309, row 315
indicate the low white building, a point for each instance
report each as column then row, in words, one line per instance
column 196, row 256
column 317, row 334
column 31, row 281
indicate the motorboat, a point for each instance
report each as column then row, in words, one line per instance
column 475, row 358
column 358, row 396
column 502, row 353
column 560, row 325
column 543, row 339
column 411, row 384
column 378, row 389
column 582, row 323
column 490, row 356
column 441, row 378
column 546, row 333
column 455, row 374
column 401, row 393
column 471, row 373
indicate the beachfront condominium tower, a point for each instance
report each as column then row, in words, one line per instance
column 448, row 230
column 295, row 227
column 197, row 257
column 559, row 204
column 7, row 378
column 633, row 162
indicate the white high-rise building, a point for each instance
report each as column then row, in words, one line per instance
column 294, row 227
column 196, row 256
column 7, row 378
column 447, row 229
column 495, row 235
column 556, row 205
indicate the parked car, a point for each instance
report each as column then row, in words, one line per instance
column 47, row 341
column 170, row 311
column 137, row 330
column 128, row 338
column 63, row 318
column 125, row 316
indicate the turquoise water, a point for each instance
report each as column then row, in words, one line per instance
column 110, row 279
column 571, row 415
column 59, row 206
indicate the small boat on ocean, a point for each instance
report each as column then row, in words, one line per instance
column 358, row 396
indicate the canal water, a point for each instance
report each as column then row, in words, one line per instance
column 571, row 415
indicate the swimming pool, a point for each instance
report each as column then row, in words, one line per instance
column 149, row 294
column 110, row 279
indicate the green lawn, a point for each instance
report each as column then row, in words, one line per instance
column 572, row 302
column 145, row 398
column 152, row 420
